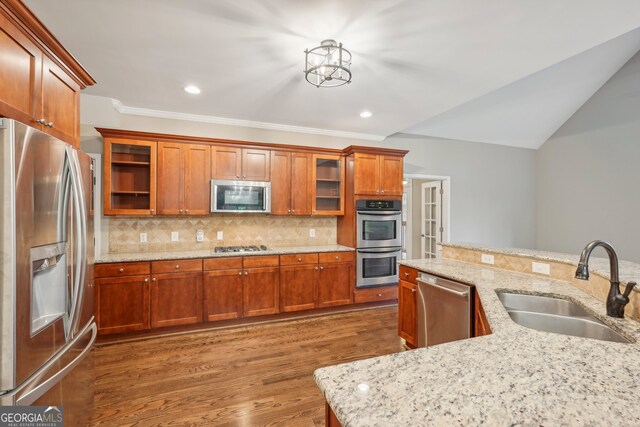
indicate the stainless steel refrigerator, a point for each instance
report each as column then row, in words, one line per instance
column 46, row 322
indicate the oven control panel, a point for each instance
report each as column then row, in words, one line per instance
column 378, row 205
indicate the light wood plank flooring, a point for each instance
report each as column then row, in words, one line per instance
column 259, row 375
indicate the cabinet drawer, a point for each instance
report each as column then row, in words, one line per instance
column 121, row 269
column 223, row 263
column 294, row 259
column 176, row 266
column 408, row 274
column 326, row 257
column 261, row 261
column 375, row 294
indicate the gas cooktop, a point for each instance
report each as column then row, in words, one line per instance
column 219, row 249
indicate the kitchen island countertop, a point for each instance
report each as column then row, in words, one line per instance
column 514, row 376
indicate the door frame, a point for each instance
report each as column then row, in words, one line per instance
column 446, row 203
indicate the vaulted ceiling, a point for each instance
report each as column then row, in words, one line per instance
column 497, row 71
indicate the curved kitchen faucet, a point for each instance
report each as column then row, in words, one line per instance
column 616, row 301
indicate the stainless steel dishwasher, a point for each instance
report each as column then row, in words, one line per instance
column 444, row 310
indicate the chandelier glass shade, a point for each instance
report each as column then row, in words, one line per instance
column 328, row 65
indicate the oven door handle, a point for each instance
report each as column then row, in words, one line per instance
column 379, row 212
column 373, row 251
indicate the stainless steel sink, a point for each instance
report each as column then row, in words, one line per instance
column 556, row 315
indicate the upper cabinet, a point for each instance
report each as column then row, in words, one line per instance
column 290, row 183
column 237, row 163
column 377, row 174
column 40, row 82
column 328, row 185
column 129, row 177
column 183, row 179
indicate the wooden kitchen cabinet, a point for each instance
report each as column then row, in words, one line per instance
column 298, row 287
column 40, row 81
column 481, row 325
column 291, row 177
column 377, row 174
column 121, row 303
column 129, row 177
column 223, row 295
column 407, row 312
column 235, row 163
column 260, row 289
column 335, row 284
column 183, row 179
column 327, row 185
column 176, row 299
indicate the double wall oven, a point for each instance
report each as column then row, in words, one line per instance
column 379, row 242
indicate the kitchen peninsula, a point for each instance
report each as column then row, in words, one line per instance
column 513, row 376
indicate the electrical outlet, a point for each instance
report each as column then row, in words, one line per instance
column 175, row 236
column 487, row 259
column 143, row 237
column 312, row 232
column 540, row 268
column 220, row 235
column 199, row 235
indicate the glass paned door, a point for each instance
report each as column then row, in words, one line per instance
column 431, row 226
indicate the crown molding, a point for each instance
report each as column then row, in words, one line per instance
column 146, row 112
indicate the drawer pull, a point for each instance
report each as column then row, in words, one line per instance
column 316, row 268
column 146, row 279
column 299, row 259
column 121, row 270
column 379, row 295
column 406, row 274
column 239, row 273
column 321, row 268
column 413, row 291
column 337, row 257
column 177, row 266
column 153, row 280
column 246, row 273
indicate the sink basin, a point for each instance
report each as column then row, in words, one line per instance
column 556, row 315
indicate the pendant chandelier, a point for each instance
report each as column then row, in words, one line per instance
column 328, row 65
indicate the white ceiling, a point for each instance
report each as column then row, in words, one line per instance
column 447, row 68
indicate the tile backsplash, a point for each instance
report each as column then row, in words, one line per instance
column 275, row 231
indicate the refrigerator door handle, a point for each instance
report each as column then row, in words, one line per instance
column 35, row 393
column 81, row 242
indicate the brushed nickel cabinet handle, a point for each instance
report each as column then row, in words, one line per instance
column 337, row 257
column 382, row 191
column 289, row 211
column 413, row 291
column 153, row 280
column 177, row 266
column 246, row 273
column 180, row 210
column 239, row 273
column 153, row 210
column 121, row 270
column 379, row 295
column 146, row 279
column 406, row 274
column 300, row 259
column 49, row 125
column 321, row 268
column 187, row 211
column 41, row 121
column 316, row 268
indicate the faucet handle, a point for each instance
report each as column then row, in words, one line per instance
column 628, row 289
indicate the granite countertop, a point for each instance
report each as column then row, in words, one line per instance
column 515, row 376
column 628, row 271
column 209, row 253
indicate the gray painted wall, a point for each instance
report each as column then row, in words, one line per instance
column 492, row 187
column 588, row 172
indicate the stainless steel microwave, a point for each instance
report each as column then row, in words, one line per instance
column 240, row 196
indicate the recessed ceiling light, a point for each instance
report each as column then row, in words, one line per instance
column 365, row 114
column 194, row 90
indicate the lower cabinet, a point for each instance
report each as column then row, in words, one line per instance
column 481, row 325
column 298, row 287
column 407, row 312
column 260, row 291
column 122, row 304
column 176, row 299
column 222, row 295
column 335, row 284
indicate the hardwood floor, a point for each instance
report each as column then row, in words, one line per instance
column 259, row 375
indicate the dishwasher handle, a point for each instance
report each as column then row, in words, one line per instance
column 461, row 294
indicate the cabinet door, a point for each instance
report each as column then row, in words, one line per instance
column 301, row 185
column 197, row 177
column 122, row 304
column 222, row 295
column 255, row 165
column 20, row 75
column 335, row 284
column 391, row 175
column 170, row 178
column 129, row 177
column 280, row 183
column 298, row 287
column 260, row 291
column 407, row 312
column 60, row 103
column 226, row 163
column 366, row 173
column 176, row 299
